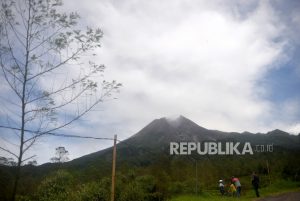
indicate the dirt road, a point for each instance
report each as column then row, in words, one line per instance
column 285, row 197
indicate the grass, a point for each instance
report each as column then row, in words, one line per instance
column 211, row 197
column 279, row 187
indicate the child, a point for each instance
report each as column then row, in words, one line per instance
column 232, row 190
column 221, row 187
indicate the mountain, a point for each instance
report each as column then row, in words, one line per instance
column 163, row 131
column 160, row 132
column 155, row 138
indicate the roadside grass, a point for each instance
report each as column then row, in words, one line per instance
column 207, row 197
column 276, row 188
column 279, row 187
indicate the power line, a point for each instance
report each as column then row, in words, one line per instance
column 59, row 134
column 67, row 135
column 129, row 145
column 80, row 136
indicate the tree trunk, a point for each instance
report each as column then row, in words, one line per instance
column 18, row 171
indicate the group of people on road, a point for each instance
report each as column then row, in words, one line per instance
column 234, row 187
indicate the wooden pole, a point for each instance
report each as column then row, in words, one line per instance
column 113, row 179
column 268, row 172
column 196, row 178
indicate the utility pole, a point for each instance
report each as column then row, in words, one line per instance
column 113, row 178
column 268, row 172
column 196, row 178
column 196, row 174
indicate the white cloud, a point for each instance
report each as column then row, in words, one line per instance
column 294, row 129
column 203, row 63
column 201, row 59
column 196, row 58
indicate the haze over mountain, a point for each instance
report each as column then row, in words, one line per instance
column 162, row 131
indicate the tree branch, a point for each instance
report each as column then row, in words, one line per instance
column 63, row 88
column 9, row 152
column 46, row 39
column 9, row 83
column 12, row 74
column 56, row 66
column 12, row 53
column 28, row 158
column 17, row 34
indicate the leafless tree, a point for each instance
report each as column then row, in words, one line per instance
column 48, row 81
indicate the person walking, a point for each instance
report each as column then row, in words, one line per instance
column 255, row 183
column 237, row 185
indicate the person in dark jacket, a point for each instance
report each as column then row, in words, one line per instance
column 255, row 183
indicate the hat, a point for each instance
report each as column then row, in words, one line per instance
column 220, row 181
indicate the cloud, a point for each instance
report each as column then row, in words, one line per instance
column 201, row 59
column 198, row 60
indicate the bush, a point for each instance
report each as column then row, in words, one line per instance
column 94, row 192
column 131, row 192
column 147, row 183
column 149, row 186
column 177, row 188
column 55, row 187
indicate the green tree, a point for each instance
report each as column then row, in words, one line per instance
column 50, row 85
column 61, row 155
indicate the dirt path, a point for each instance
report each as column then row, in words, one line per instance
column 285, row 197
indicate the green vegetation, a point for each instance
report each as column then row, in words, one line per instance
column 60, row 186
column 166, row 178
column 279, row 187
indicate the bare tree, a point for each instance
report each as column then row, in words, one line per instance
column 61, row 155
column 49, row 80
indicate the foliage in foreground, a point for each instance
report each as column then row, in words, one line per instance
column 61, row 186
column 162, row 180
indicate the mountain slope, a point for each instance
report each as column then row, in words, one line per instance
column 163, row 131
column 156, row 137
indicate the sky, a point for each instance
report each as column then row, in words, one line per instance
column 226, row 65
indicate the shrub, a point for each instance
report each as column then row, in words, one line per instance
column 131, row 192
column 54, row 187
column 94, row 192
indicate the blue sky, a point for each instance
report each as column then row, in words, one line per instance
column 283, row 83
column 227, row 65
